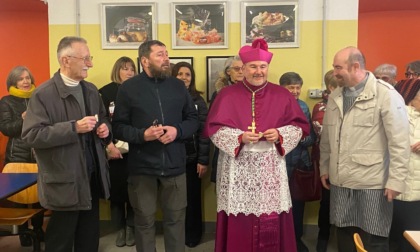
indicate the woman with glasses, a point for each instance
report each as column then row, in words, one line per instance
column 413, row 70
column 122, row 214
column 197, row 149
column 20, row 84
column 409, row 87
column 232, row 73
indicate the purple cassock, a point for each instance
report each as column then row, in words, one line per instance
column 253, row 198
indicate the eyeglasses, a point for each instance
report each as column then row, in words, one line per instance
column 85, row 59
column 409, row 75
column 236, row 69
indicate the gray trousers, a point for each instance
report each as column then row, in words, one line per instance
column 144, row 191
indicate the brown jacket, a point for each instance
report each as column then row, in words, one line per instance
column 63, row 181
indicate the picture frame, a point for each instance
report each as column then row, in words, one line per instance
column 127, row 25
column 215, row 68
column 274, row 21
column 172, row 60
column 201, row 25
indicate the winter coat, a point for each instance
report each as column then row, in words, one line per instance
column 140, row 101
column 368, row 147
column 11, row 109
column 49, row 127
column 197, row 147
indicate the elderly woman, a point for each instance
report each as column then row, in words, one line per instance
column 122, row 214
column 231, row 74
column 20, row 84
column 197, row 149
column 386, row 72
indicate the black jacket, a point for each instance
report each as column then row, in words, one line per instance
column 140, row 101
column 198, row 147
column 109, row 94
column 11, row 109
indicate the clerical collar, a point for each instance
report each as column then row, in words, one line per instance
column 68, row 81
column 356, row 90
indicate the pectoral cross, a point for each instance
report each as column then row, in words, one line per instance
column 252, row 127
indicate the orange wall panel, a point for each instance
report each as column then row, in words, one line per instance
column 390, row 37
column 24, row 39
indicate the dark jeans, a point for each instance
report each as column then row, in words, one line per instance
column 121, row 211
column 298, row 208
column 75, row 228
column 405, row 217
column 324, row 216
column 372, row 243
column 193, row 216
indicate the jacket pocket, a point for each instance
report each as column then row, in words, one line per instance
column 367, row 159
column 60, row 189
column 364, row 114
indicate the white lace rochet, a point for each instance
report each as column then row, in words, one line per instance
column 255, row 182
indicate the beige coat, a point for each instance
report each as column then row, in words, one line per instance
column 412, row 182
column 368, row 148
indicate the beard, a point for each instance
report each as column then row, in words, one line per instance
column 159, row 72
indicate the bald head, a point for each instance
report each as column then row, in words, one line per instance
column 349, row 66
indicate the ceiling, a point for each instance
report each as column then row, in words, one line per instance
column 388, row 5
column 364, row 5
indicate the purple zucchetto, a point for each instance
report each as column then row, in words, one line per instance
column 257, row 52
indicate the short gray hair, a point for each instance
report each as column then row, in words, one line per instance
column 386, row 69
column 66, row 43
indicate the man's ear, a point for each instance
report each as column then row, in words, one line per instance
column 144, row 62
column 356, row 65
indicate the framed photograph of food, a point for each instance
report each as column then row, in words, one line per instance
column 203, row 25
column 215, row 69
column 274, row 21
column 128, row 25
column 172, row 60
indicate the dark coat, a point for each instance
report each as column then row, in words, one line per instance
column 11, row 109
column 140, row 101
column 49, row 127
column 198, row 147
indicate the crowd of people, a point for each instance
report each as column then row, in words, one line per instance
column 143, row 141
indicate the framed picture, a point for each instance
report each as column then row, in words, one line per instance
column 215, row 69
column 275, row 22
column 202, row 25
column 172, row 60
column 127, row 25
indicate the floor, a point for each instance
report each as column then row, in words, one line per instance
column 108, row 236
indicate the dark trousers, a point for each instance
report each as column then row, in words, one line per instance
column 121, row 211
column 144, row 191
column 372, row 243
column 298, row 208
column 75, row 228
column 324, row 216
column 405, row 217
column 193, row 216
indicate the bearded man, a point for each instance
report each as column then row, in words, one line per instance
column 155, row 114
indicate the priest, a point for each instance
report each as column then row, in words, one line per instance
column 254, row 124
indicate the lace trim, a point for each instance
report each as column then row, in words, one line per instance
column 254, row 182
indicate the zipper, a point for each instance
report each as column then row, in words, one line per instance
column 163, row 123
column 11, row 148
